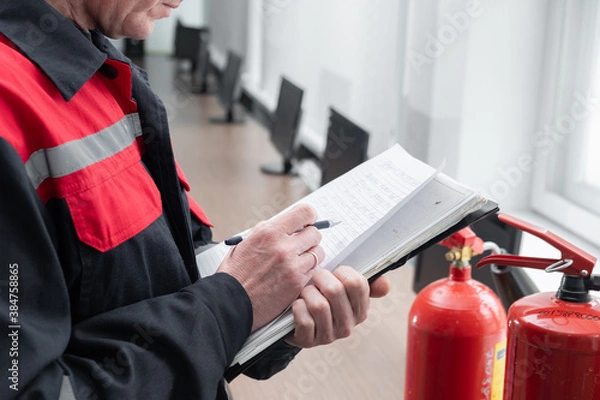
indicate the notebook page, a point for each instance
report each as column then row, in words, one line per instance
column 209, row 260
column 362, row 199
column 429, row 213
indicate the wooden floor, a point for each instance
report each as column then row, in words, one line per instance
column 222, row 164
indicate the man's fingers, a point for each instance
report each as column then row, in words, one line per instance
column 304, row 333
column 311, row 258
column 296, row 218
column 306, row 239
column 320, row 310
column 380, row 287
column 357, row 288
column 335, row 292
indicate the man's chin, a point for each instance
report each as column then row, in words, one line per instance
column 140, row 32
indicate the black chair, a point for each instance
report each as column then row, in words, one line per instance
column 188, row 41
column 134, row 48
column 227, row 88
column 200, row 75
column 284, row 128
column 346, row 147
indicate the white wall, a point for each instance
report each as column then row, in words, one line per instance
column 502, row 98
column 343, row 53
column 228, row 21
column 453, row 80
column 471, row 90
column 448, row 79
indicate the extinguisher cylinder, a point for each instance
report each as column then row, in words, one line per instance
column 553, row 349
column 456, row 341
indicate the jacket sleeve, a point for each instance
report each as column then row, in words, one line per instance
column 276, row 359
column 174, row 346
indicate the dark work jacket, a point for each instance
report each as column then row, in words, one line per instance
column 100, row 293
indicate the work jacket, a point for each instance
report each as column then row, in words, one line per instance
column 100, row 293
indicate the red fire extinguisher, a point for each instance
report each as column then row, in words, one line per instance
column 456, row 333
column 553, row 350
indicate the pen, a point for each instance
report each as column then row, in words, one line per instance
column 232, row 241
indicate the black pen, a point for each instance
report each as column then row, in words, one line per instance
column 232, row 241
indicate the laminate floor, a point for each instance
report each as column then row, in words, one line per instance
column 222, row 164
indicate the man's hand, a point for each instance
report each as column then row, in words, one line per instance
column 329, row 309
column 276, row 261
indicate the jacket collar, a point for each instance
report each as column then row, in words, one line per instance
column 53, row 42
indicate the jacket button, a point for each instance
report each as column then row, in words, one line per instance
column 108, row 71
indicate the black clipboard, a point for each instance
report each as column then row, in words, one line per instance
column 489, row 208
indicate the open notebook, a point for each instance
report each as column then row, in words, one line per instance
column 389, row 206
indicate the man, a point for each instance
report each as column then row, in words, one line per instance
column 102, row 297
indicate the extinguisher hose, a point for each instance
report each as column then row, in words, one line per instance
column 594, row 283
column 511, row 284
column 493, row 247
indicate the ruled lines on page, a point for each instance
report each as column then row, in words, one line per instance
column 365, row 198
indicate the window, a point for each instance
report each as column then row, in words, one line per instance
column 566, row 184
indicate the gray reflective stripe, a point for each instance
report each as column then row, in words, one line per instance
column 77, row 154
column 66, row 390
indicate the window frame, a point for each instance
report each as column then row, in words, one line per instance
column 571, row 32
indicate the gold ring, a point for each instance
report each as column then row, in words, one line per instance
column 315, row 256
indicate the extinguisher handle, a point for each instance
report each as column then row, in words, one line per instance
column 573, row 261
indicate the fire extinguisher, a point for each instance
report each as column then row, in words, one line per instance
column 553, row 350
column 456, row 333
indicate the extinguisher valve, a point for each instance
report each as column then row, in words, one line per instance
column 453, row 255
column 463, row 246
column 458, row 254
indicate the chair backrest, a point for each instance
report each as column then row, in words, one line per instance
column 188, row 41
column 229, row 80
column 346, row 147
column 286, row 118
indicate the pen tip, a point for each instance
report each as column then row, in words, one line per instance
column 334, row 223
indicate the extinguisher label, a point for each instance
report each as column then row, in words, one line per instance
column 556, row 313
column 498, row 374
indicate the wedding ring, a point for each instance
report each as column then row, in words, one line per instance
column 316, row 258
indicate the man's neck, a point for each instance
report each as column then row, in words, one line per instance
column 74, row 10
